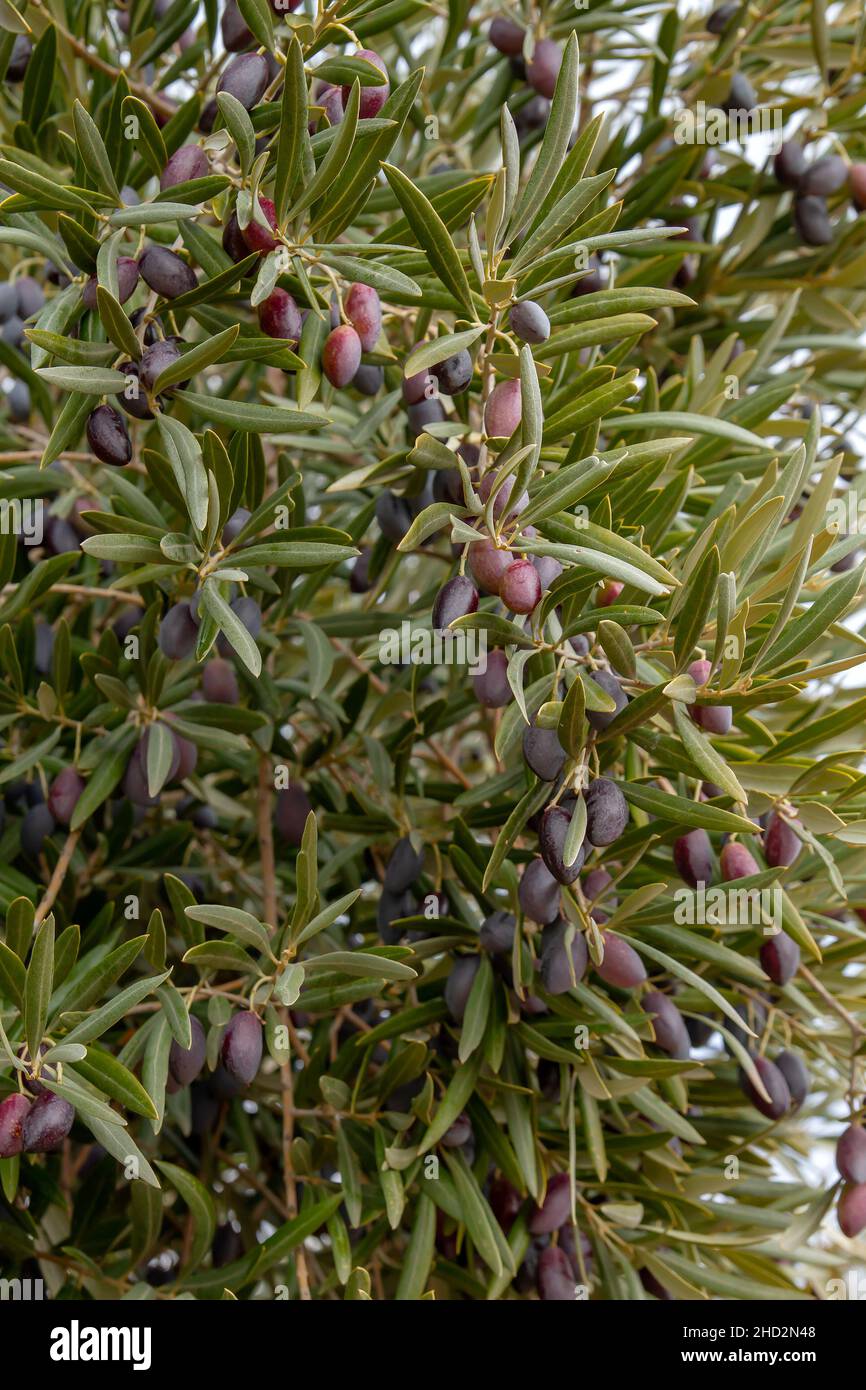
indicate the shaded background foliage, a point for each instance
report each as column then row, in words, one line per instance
column 244, row 813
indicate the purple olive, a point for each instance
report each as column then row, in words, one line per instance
column 235, row 524
column 245, row 78
column 562, row 966
column 108, row 436
column 187, row 757
column 520, row 587
column 219, row 683
column 622, row 966
column 555, row 1277
column 403, row 867
column 780, row 957
column 13, row 1112
column 851, row 1154
column 178, row 632
column 456, row 598
column 372, row 98
column 364, row 311
column 127, row 279
column 293, row 808
column 503, row 411
column 227, row 1246
column 491, row 686
column 454, row 373
column 458, row 1134
column 718, row 21
column 63, row 795
column 789, row 164
column 259, row 236
column 600, row 719
column 552, row 834
column 359, row 574
column 506, row 36
column 369, row 379
column 539, row 892
column 165, row 272
column 693, row 857
column 497, row 933
column 543, row 67
column 595, row 882
column 543, row 752
column 502, row 499
column 857, row 183
column 851, row 1211
column 154, row 361
column 529, row 322
column 280, row 317
column 187, row 163
column 741, row 94
column 794, row 1070
column 37, row 824
column 392, row 908
column 735, row 862
column 185, row 1063
column 331, row 101
column 341, row 355
column 458, row 986
column 827, row 175
column 811, row 221
column 606, row 812
column 555, row 1210
column 19, row 58
column 418, row 387
column 592, row 281
column 235, row 34
column 47, row 1123
column 782, row 844
column 671, row 1034
column 548, row 570
column 394, row 515
column 29, row 296
column 774, row 1084
column 241, row 1048
column 250, row 615
column 430, row 411
column 233, row 242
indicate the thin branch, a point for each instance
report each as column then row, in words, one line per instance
column 56, row 882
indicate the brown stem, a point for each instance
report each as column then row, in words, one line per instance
column 288, row 1172
column 56, row 882
column 850, row 1020
column 266, row 842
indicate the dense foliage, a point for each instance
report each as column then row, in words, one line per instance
column 347, row 348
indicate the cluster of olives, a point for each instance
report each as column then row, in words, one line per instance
column 812, row 184
column 540, row 70
column 40, row 816
column 397, row 900
column 35, row 1126
column 240, row 1052
column 169, row 275
column 551, row 1264
column 851, row 1163
column 20, row 301
column 40, row 1125
column 785, row 1080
